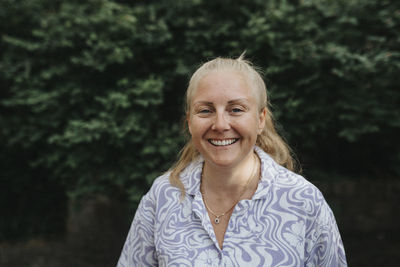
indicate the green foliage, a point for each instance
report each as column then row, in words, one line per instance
column 81, row 95
column 92, row 91
column 332, row 69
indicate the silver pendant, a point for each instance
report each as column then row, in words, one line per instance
column 216, row 220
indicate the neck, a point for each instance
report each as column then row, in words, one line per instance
column 224, row 181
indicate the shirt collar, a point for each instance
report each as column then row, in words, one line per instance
column 269, row 171
column 191, row 175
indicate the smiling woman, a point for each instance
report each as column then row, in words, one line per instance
column 232, row 199
column 224, row 120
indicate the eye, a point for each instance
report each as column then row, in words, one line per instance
column 204, row 111
column 237, row 110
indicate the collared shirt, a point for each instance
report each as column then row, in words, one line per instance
column 286, row 223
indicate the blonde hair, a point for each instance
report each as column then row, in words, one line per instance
column 269, row 140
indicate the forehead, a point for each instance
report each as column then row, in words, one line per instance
column 226, row 84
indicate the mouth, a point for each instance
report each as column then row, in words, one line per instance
column 224, row 142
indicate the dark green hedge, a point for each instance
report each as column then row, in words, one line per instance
column 91, row 91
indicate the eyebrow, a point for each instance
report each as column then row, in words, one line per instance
column 203, row 103
column 237, row 100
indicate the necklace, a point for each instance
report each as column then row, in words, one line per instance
column 217, row 220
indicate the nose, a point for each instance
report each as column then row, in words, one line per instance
column 221, row 123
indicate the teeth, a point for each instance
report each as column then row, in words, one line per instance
column 222, row 142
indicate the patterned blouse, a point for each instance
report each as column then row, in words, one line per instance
column 286, row 223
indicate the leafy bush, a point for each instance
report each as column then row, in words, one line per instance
column 92, row 90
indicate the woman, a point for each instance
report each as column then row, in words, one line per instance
column 232, row 198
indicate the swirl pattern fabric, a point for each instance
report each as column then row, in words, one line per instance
column 286, row 223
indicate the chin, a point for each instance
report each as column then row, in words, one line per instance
column 223, row 161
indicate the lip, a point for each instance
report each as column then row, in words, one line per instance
column 225, row 142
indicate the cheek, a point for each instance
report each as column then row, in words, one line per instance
column 248, row 122
column 195, row 127
column 249, row 127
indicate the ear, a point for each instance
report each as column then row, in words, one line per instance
column 261, row 121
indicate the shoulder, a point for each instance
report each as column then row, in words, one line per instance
column 304, row 213
column 160, row 183
column 297, row 186
column 161, row 194
column 161, row 189
column 291, row 187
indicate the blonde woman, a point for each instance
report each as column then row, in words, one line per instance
column 232, row 199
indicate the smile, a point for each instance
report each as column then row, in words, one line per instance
column 225, row 142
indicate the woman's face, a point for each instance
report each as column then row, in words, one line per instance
column 224, row 119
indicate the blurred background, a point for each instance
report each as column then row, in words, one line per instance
column 91, row 104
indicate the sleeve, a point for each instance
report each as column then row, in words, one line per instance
column 324, row 246
column 139, row 249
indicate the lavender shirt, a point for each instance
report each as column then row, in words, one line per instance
column 286, row 223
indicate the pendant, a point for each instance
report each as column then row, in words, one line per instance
column 216, row 220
